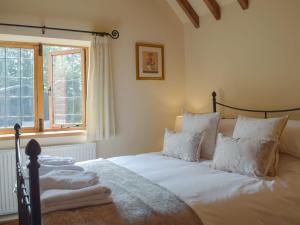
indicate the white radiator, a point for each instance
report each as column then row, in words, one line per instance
column 8, row 202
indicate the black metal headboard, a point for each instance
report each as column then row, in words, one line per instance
column 265, row 112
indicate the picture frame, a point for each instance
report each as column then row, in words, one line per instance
column 149, row 61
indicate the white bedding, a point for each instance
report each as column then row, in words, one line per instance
column 221, row 198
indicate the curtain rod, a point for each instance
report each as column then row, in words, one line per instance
column 114, row 34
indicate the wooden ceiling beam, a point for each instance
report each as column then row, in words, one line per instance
column 190, row 12
column 214, row 8
column 244, row 4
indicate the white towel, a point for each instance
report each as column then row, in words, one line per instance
column 58, row 199
column 55, row 160
column 47, row 208
column 44, row 169
column 57, row 195
column 68, row 179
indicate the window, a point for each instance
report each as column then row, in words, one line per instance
column 64, row 79
column 42, row 87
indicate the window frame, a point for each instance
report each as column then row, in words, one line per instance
column 35, row 47
column 54, row 126
column 39, row 88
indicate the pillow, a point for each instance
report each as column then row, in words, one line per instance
column 183, row 145
column 247, row 156
column 203, row 122
column 290, row 139
column 263, row 129
column 259, row 128
column 226, row 127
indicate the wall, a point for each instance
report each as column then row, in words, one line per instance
column 143, row 108
column 251, row 58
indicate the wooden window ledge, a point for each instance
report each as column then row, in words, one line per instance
column 44, row 134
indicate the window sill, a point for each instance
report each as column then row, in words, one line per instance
column 45, row 134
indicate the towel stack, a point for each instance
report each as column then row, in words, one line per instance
column 65, row 185
column 49, row 163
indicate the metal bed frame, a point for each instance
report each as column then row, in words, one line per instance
column 29, row 205
column 265, row 112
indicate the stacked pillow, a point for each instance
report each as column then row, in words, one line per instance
column 183, row 145
column 254, row 142
column 247, row 156
column 205, row 125
column 289, row 141
column 249, row 147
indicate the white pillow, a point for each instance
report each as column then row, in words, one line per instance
column 183, row 145
column 259, row 128
column 247, row 156
column 290, row 139
column 226, row 127
column 263, row 129
column 203, row 122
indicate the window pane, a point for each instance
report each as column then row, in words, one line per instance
column 12, row 106
column 27, row 106
column 27, row 68
column 28, row 121
column 77, row 105
column 46, row 50
column 67, row 89
column 13, row 52
column 2, row 67
column 13, row 87
column 27, row 53
column 2, row 52
column 16, row 87
column 2, row 87
column 27, row 87
column 2, row 122
column 2, row 109
column 12, row 67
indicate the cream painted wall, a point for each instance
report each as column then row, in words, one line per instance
column 251, row 58
column 143, row 108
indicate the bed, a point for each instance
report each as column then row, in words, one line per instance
column 214, row 197
column 222, row 198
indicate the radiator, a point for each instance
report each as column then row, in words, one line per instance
column 8, row 201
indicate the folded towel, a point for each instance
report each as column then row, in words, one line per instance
column 58, row 199
column 68, row 179
column 44, row 169
column 58, row 195
column 55, row 160
column 47, row 208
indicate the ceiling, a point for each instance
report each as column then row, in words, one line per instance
column 198, row 5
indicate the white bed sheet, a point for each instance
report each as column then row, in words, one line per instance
column 221, row 198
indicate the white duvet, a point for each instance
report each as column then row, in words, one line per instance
column 222, row 198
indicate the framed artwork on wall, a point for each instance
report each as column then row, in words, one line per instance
column 149, row 61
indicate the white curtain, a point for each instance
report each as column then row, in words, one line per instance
column 100, row 99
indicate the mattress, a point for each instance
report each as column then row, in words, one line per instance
column 222, row 198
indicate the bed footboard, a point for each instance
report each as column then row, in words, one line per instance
column 29, row 205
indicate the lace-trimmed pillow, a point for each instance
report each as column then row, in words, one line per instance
column 247, row 156
column 263, row 129
column 183, row 145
